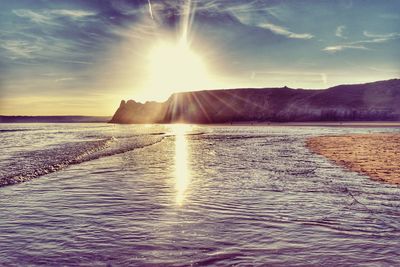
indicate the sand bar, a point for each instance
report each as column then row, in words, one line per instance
column 376, row 155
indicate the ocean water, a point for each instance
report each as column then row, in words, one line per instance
column 179, row 195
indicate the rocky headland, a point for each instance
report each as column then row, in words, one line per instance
column 376, row 101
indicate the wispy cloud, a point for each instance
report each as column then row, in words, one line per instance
column 73, row 14
column 383, row 36
column 337, row 48
column 64, row 79
column 48, row 16
column 372, row 38
column 20, row 49
column 25, row 47
column 285, row 32
column 260, row 14
column 33, row 16
column 340, row 31
column 56, row 34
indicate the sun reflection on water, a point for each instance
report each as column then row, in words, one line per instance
column 182, row 170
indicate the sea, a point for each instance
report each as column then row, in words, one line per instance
column 188, row 195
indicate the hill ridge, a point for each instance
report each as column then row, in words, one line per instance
column 378, row 101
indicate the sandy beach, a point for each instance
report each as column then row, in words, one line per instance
column 376, row 155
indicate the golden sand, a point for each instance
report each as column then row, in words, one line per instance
column 376, row 155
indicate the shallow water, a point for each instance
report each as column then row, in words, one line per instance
column 188, row 195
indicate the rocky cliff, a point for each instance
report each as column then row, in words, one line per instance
column 377, row 101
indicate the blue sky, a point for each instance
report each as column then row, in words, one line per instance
column 83, row 57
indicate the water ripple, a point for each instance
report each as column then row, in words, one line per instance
column 256, row 197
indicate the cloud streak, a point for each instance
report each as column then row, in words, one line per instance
column 382, row 37
column 51, row 34
column 48, row 16
column 33, row 16
column 285, row 32
column 337, row 48
column 340, row 31
column 373, row 38
column 20, row 49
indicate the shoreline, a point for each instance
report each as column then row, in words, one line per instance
column 375, row 155
column 348, row 124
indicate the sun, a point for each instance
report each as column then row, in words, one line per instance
column 174, row 68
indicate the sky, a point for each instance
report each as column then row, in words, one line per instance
column 80, row 57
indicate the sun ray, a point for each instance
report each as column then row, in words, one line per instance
column 150, row 9
column 200, row 105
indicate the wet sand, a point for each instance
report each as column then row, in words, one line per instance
column 376, row 155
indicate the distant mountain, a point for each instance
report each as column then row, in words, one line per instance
column 377, row 101
column 52, row 119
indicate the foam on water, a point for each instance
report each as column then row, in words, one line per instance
column 27, row 165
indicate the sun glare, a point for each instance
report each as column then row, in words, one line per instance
column 175, row 68
column 182, row 171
